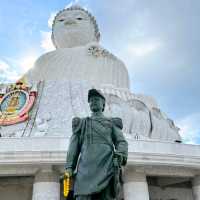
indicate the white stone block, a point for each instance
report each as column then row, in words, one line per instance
column 46, row 191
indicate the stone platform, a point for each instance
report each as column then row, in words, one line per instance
column 152, row 166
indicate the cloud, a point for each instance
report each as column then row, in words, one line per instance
column 51, row 18
column 190, row 129
column 3, row 66
column 24, row 62
column 142, row 49
column 27, row 62
column 46, row 42
column 74, row 2
column 7, row 72
column 12, row 69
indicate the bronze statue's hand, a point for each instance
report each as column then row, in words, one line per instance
column 115, row 162
column 119, row 157
column 120, row 160
column 69, row 171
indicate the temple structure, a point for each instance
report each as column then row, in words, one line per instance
column 36, row 114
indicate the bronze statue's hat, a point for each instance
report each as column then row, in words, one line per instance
column 94, row 92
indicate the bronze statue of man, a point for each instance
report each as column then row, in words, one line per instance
column 96, row 152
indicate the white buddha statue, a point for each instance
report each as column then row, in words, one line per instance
column 141, row 122
column 65, row 75
column 162, row 127
column 78, row 55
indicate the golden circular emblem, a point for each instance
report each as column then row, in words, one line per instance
column 15, row 106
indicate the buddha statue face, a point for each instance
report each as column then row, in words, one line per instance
column 74, row 27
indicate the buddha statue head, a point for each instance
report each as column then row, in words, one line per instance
column 74, row 26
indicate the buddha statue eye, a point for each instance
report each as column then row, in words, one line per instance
column 61, row 20
column 79, row 18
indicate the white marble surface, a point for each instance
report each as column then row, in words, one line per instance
column 52, row 150
column 135, row 186
column 141, row 126
column 163, row 128
column 59, row 101
column 78, row 64
column 136, row 191
column 46, row 191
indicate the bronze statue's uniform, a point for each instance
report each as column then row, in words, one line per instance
column 95, row 139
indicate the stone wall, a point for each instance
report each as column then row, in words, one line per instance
column 17, row 188
column 169, row 193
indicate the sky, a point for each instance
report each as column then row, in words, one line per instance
column 158, row 40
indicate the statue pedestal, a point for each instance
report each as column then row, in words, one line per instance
column 135, row 185
column 46, row 186
column 196, row 188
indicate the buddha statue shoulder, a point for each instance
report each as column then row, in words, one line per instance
column 78, row 55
